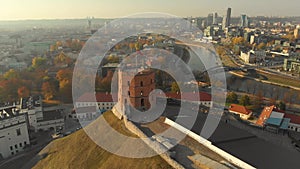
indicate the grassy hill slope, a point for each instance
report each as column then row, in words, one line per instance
column 79, row 151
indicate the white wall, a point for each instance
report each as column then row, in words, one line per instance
column 101, row 105
column 294, row 127
column 10, row 142
column 46, row 125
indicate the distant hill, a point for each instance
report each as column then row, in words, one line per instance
column 79, row 151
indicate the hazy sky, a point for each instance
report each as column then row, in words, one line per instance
column 52, row 9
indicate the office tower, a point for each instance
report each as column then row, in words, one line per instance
column 209, row 19
column 226, row 19
column 215, row 18
column 244, row 21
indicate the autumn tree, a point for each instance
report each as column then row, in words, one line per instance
column 11, row 74
column 238, row 41
column 245, row 100
column 232, row 97
column 261, row 46
column 175, row 87
column 64, row 77
column 39, row 62
column 62, row 59
column 48, row 90
column 23, row 92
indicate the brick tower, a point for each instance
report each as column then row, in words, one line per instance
column 135, row 91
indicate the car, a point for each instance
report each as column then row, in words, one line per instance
column 56, row 135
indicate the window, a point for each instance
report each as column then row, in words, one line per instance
column 141, row 84
column 142, row 102
column 18, row 132
column 16, row 146
column 20, row 145
column 142, row 93
column 11, row 147
column 12, row 153
column 128, row 93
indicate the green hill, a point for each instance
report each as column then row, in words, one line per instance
column 79, row 151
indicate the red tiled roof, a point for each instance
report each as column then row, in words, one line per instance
column 100, row 97
column 265, row 114
column 107, row 97
column 190, row 96
column 294, row 118
column 239, row 109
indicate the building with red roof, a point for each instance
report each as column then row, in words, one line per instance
column 200, row 98
column 88, row 105
column 242, row 111
column 294, row 122
column 272, row 118
column 104, row 100
column 265, row 114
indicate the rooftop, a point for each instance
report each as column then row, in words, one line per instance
column 265, row 114
column 52, row 115
column 294, row 118
column 239, row 109
column 189, row 96
column 100, row 97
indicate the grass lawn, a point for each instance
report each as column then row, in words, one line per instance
column 79, row 151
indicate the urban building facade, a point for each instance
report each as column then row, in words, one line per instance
column 13, row 131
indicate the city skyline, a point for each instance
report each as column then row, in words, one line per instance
column 34, row 9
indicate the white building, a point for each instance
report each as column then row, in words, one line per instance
column 294, row 124
column 13, row 131
column 253, row 56
column 40, row 119
column 85, row 106
column 242, row 111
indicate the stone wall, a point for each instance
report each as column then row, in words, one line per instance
column 156, row 146
column 209, row 145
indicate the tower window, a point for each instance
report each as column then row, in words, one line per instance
column 142, row 102
column 142, row 84
column 141, row 93
column 128, row 93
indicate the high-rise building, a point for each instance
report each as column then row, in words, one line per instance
column 226, row 19
column 244, row 21
column 215, row 18
column 209, row 19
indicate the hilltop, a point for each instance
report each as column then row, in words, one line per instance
column 79, row 151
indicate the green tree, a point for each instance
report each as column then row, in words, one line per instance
column 245, row 100
column 232, row 97
column 281, row 105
